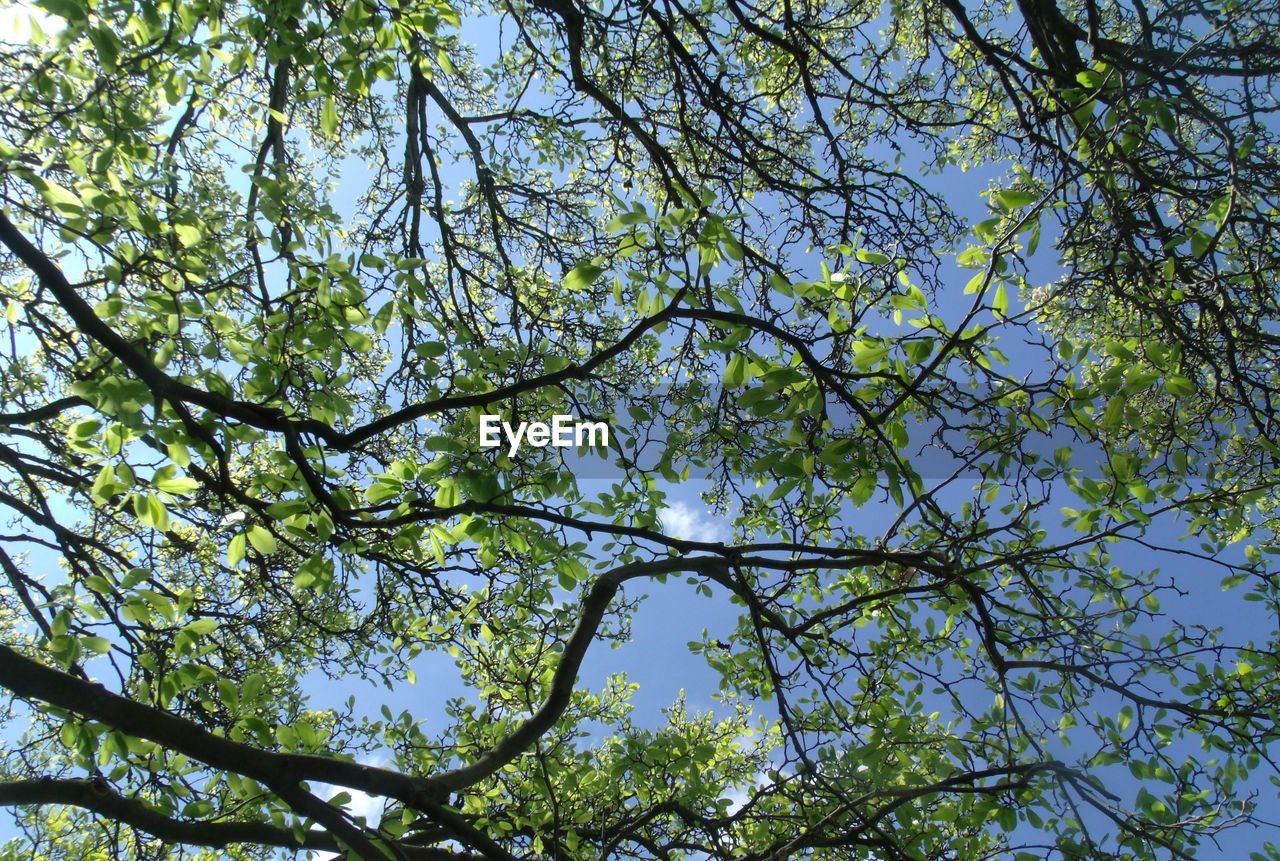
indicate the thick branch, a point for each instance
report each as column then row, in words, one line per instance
column 33, row 680
column 161, row 384
column 97, row 795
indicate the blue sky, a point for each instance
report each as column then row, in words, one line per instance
column 657, row 657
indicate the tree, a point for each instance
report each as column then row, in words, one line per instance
column 268, row 265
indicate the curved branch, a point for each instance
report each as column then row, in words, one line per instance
column 51, row 278
column 96, row 795
column 33, row 680
column 45, row 412
column 593, row 609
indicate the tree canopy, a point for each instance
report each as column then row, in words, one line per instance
column 961, row 317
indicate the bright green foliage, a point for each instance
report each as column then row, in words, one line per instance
column 961, row 317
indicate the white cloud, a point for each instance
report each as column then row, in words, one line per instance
column 361, row 803
column 681, row 520
column 366, row 805
column 231, row 519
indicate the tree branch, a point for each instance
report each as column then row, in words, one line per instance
column 593, row 609
column 33, row 680
column 97, row 796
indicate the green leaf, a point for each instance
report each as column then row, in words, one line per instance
column 179, row 454
column 329, row 117
column 235, row 550
column 382, row 490
column 582, row 276
column 1114, row 415
column 446, row 64
column 1000, row 301
column 262, row 540
column 188, row 234
column 99, row 584
column 200, row 627
column 735, row 374
column 447, row 495
column 868, row 353
column 151, row 511
column 1014, row 199
column 570, row 572
column 82, row 430
column 98, row 645
column 60, row 198
column 1179, row 386
column 178, row 485
column 628, row 219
